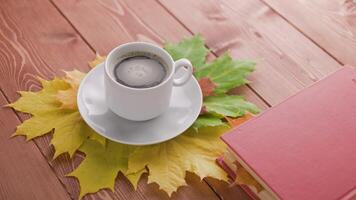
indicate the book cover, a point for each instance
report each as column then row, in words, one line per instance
column 305, row 147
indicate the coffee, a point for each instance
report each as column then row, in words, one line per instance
column 140, row 70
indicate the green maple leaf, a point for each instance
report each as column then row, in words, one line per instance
column 226, row 73
column 191, row 48
column 204, row 121
column 70, row 131
column 229, row 105
column 217, row 77
column 101, row 166
column 168, row 162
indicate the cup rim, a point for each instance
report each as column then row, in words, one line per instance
column 139, row 43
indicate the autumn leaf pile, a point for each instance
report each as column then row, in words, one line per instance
column 54, row 108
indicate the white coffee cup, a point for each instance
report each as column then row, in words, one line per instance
column 139, row 104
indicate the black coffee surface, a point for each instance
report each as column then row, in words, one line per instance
column 140, row 71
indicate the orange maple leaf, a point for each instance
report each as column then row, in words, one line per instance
column 233, row 122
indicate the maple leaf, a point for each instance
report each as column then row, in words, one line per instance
column 207, row 86
column 98, row 59
column 172, row 159
column 204, row 121
column 226, row 73
column 68, row 97
column 229, row 105
column 42, row 101
column 98, row 138
column 74, row 78
column 245, row 178
column 101, row 166
column 233, row 122
column 70, row 130
column 134, row 177
column 215, row 78
column 191, row 48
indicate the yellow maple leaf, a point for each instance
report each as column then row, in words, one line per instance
column 168, row 162
column 101, row 166
column 41, row 101
column 68, row 97
column 245, row 178
column 98, row 138
column 134, row 177
column 70, row 131
column 74, row 77
column 98, row 59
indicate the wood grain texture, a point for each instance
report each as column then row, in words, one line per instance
column 250, row 29
column 24, row 172
column 330, row 24
column 38, row 42
column 288, row 61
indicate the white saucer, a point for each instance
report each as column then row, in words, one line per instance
column 183, row 111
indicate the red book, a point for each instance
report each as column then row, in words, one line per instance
column 305, row 147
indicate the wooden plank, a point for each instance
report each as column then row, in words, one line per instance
column 24, row 172
column 288, row 61
column 330, row 24
column 39, row 42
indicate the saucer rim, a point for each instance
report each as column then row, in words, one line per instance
column 89, row 122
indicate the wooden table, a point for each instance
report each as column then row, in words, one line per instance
column 295, row 42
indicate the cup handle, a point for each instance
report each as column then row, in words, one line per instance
column 187, row 74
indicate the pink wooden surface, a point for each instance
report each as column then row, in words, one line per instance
column 296, row 43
